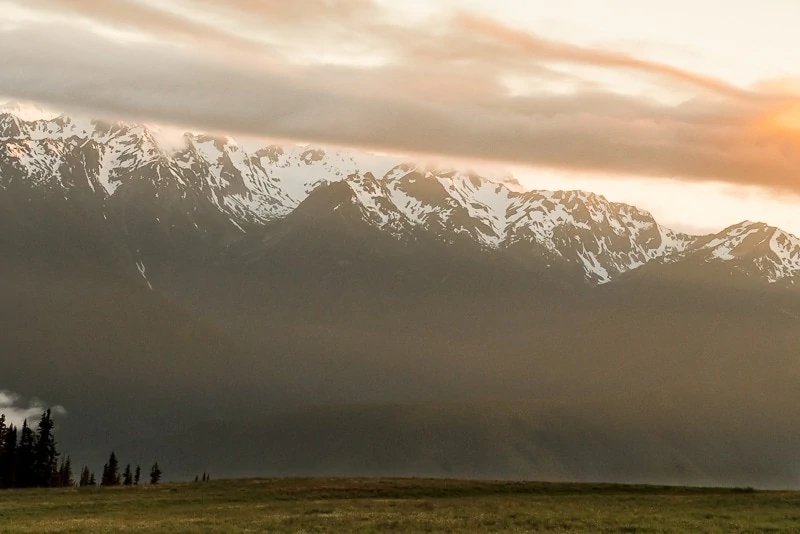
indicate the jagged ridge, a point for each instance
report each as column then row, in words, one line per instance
column 251, row 186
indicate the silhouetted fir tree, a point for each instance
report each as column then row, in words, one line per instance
column 45, row 455
column 137, row 476
column 111, row 472
column 25, row 458
column 127, row 476
column 61, row 471
column 65, row 476
column 84, row 480
column 8, row 467
column 69, row 476
column 3, row 431
column 155, row 474
column 30, row 459
column 196, row 479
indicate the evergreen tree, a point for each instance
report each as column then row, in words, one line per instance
column 84, row 480
column 111, row 472
column 197, row 480
column 155, row 474
column 62, row 468
column 65, row 476
column 45, row 455
column 127, row 477
column 137, row 475
column 8, row 467
column 25, row 458
column 3, row 430
column 92, row 481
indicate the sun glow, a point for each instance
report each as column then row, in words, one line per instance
column 787, row 118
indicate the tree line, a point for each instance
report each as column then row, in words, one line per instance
column 29, row 458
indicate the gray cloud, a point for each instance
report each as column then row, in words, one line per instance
column 428, row 100
column 17, row 409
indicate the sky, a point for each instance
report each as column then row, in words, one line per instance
column 690, row 109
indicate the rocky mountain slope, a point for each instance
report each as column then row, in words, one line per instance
column 219, row 189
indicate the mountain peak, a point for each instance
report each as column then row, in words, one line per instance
column 754, row 249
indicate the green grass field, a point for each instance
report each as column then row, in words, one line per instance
column 397, row 505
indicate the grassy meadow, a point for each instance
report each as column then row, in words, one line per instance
column 396, row 505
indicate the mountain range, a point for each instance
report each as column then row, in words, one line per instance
column 222, row 188
column 206, row 280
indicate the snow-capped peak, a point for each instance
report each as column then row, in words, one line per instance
column 753, row 248
column 602, row 238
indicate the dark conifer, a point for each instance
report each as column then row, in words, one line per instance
column 65, row 474
column 84, row 480
column 25, row 458
column 92, row 481
column 45, row 455
column 155, row 474
column 137, row 476
column 111, row 472
column 127, row 476
column 8, row 467
column 3, row 431
column 62, row 469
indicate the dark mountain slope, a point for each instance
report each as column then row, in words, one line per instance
column 605, row 440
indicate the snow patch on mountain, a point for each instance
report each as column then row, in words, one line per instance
column 755, row 249
column 605, row 239
column 250, row 186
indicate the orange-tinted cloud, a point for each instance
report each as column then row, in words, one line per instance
column 439, row 92
column 281, row 11
column 142, row 17
column 538, row 48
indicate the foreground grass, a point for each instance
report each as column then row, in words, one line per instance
column 400, row 505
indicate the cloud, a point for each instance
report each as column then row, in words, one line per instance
column 17, row 409
column 534, row 47
column 299, row 13
column 141, row 17
column 438, row 90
